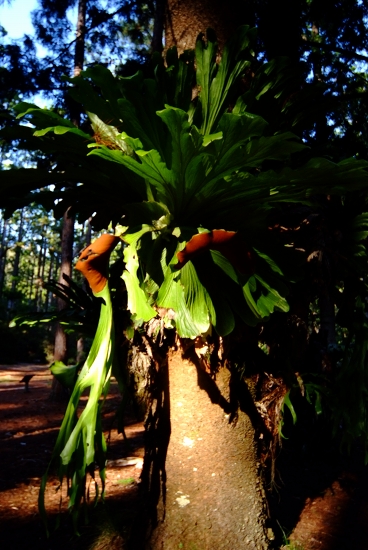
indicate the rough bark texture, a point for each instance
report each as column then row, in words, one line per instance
column 185, row 20
column 204, row 489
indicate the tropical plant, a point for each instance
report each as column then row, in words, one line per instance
column 80, row 445
column 194, row 178
column 205, row 177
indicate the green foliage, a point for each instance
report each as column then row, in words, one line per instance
column 126, row 481
column 178, row 167
column 205, row 180
column 81, row 446
column 184, row 172
column 66, row 375
column 81, row 309
column 216, row 82
column 286, row 404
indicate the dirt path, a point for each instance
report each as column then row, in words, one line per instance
column 28, row 429
column 335, row 519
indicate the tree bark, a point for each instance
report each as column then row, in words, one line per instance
column 39, row 280
column 67, row 237
column 80, row 40
column 214, row 494
column 48, row 296
column 201, row 475
column 31, row 273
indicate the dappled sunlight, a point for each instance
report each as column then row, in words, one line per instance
column 9, row 406
column 40, row 431
column 29, row 426
column 11, row 380
column 337, row 519
column 6, row 387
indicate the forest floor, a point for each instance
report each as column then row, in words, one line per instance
column 334, row 519
column 29, row 423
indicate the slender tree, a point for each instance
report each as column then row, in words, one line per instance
column 3, row 251
column 67, row 232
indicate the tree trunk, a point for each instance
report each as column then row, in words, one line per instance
column 80, row 41
column 39, row 281
column 3, row 251
column 201, row 473
column 88, row 232
column 15, row 275
column 67, row 235
column 67, row 238
column 31, row 273
column 61, row 344
column 49, row 277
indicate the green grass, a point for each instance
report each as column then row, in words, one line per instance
column 126, row 481
column 288, row 544
column 7, row 379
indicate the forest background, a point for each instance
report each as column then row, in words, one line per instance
column 32, row 69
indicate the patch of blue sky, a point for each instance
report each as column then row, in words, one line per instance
column 16, row 17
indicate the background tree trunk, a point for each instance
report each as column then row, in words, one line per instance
column 3, row 251
column 67, row 235
column 15, row 274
